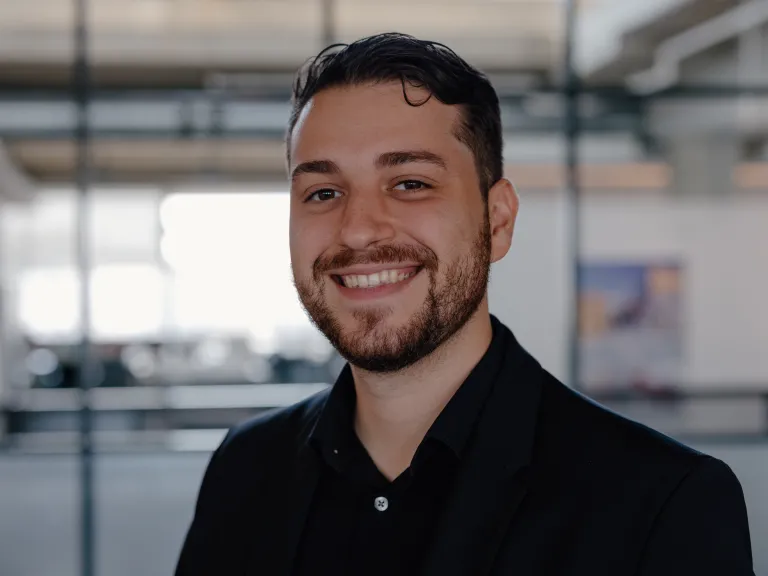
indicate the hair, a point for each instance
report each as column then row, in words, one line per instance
column 394, row 57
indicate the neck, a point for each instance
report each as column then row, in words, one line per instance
column 394, row 411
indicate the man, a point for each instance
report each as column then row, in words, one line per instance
column 443, row 448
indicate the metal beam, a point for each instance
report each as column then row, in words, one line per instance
column 186, row 114
column 572, row 129
column 80, row 93
column 665, row 71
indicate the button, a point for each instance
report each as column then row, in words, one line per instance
column 381, row 504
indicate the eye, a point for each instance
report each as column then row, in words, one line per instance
column 412, row 185
column 322, row 195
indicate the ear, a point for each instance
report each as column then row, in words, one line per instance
column 503, row 204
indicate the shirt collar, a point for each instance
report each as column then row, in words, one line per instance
column 455, row 424
column 332, row 436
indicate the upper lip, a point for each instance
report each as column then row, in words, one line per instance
column 372, row 268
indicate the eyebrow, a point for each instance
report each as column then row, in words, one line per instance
column 315, row 167
column 392, row 159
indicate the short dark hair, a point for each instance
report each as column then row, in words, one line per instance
column 430, row 65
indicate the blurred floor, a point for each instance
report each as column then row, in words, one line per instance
column 145, row 503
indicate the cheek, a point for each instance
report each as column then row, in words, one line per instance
column 306, row 245
column 446, row 234
column 298, row 247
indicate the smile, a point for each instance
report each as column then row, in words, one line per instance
column 381, row 278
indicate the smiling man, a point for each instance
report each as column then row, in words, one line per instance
column 443, row 448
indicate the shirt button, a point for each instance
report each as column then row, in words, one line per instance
column 381, row 504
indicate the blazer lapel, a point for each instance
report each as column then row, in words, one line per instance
column 491, row 481
column 289, row 506
column 289, row 497
column 473, row 525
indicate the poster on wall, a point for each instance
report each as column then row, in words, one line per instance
column 630, row 326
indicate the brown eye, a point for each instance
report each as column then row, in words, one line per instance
column 322, row 195
column 411, row 185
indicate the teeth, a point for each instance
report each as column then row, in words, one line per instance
column 375, row 279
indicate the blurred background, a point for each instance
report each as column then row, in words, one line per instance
column 145, row 294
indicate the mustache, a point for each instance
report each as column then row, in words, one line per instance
column 378, row 255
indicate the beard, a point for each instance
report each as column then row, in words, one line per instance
column 447, row 307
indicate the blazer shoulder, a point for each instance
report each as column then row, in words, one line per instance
column 280, row 428
column 600, row 439
column 624, row 472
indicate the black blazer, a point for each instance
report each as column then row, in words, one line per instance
column 552, row 484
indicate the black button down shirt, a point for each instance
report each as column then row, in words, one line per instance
column 362, row 524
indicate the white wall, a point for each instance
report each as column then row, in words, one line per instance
column 529, row 288
column 721, row 242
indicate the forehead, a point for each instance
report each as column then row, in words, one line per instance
column 373, row 118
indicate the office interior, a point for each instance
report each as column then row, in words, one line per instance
column 146, row 302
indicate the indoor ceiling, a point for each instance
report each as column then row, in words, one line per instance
column 184, row 41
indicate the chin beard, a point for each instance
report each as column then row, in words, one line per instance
column 376, row 347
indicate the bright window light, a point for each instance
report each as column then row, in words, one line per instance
column 126, row 302
column 49, row 303
column 232, row 264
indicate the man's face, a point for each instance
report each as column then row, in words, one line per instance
column 389, row 235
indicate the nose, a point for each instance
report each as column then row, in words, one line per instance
column 365, row 221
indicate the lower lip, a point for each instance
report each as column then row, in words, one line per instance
column 378, row 292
